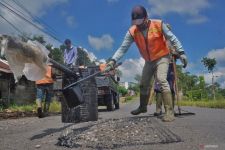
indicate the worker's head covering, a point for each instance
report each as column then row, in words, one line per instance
column 67, row 41
column 138, row 15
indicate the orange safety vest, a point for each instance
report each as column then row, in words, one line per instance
column 48, row 77
column 154, row 45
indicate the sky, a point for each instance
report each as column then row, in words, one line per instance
column 100, row 26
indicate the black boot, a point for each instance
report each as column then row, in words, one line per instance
column 39, row 112
column 157, row 114
column 143, row 105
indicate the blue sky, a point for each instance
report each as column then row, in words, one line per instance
column 100, row 25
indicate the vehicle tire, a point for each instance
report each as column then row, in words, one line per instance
column 88, row 111
column 117, row 104
column 110, row 102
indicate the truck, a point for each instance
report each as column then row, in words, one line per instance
column 107, row 91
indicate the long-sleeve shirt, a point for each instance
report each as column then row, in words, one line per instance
column 70, row 56
column 128, row 40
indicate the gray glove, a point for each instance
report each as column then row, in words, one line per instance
column 183, row 59
column 110, row 65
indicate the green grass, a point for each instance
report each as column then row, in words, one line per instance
column 54, row 107
column 127, row 99
column 204, row 103
column 22, row 108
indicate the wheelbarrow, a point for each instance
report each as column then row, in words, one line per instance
column 73, row 92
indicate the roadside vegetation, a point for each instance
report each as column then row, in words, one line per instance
column 55, row 107
column 204, row 103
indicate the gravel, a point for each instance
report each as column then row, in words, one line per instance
column 114, row 133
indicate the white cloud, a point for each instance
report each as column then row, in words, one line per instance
column 219, row 55
column 36, row 8
column 70, row 20
column 40, row 7
column 92, row 56
column 190, row 8
column 219, row 77
column 103, row 42
column 197, row 20
column 130, row 68
column 219, row 73
column 102, row 61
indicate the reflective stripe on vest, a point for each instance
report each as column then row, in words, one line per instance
column 48, row 77
column 154, row 45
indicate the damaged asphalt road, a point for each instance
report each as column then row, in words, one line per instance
column 118, row 130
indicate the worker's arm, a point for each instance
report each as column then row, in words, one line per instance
column 172, row 39
column 128, row 40
column 175, row 43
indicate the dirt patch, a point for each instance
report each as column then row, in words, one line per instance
column 116, row 133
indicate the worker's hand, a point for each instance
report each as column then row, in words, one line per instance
column 183, row 59
column 110, row 65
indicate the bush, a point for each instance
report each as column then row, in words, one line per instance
column 122, row 90
column 55, row 106
column 204, row 103
column 21, row 108
column 128, row 98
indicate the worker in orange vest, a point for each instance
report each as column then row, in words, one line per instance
column 150, row 37
column 44, row 92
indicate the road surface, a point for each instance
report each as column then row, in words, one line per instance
column 204, row 130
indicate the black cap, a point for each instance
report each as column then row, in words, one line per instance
column 138, row 15
column 67, row 41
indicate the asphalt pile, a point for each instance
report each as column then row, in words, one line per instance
column 116, row 133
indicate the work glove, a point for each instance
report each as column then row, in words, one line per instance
column 110, row 65
column 183, row 59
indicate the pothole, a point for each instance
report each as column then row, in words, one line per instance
column 116, row 133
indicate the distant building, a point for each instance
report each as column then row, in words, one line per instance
column 127, row 84
column 5, row 82
column 22, row 93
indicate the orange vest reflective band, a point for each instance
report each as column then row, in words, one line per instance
column 154, row 45
column 48, row 77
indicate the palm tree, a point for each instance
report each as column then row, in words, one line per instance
column 210, row 64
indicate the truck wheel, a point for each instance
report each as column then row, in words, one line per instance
column 117, row 104
column 110, row 103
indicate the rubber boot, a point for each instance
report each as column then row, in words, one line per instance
column 167, row 100
column 143, row 105
column 46, row 108
column 158, row 104
column 39, row 109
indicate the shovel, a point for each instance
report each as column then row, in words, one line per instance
column 73, row 92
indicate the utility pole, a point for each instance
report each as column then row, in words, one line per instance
column 213, row 87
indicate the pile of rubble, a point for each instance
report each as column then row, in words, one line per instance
column 116, row 133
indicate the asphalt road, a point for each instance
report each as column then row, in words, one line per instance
column 203, row 131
